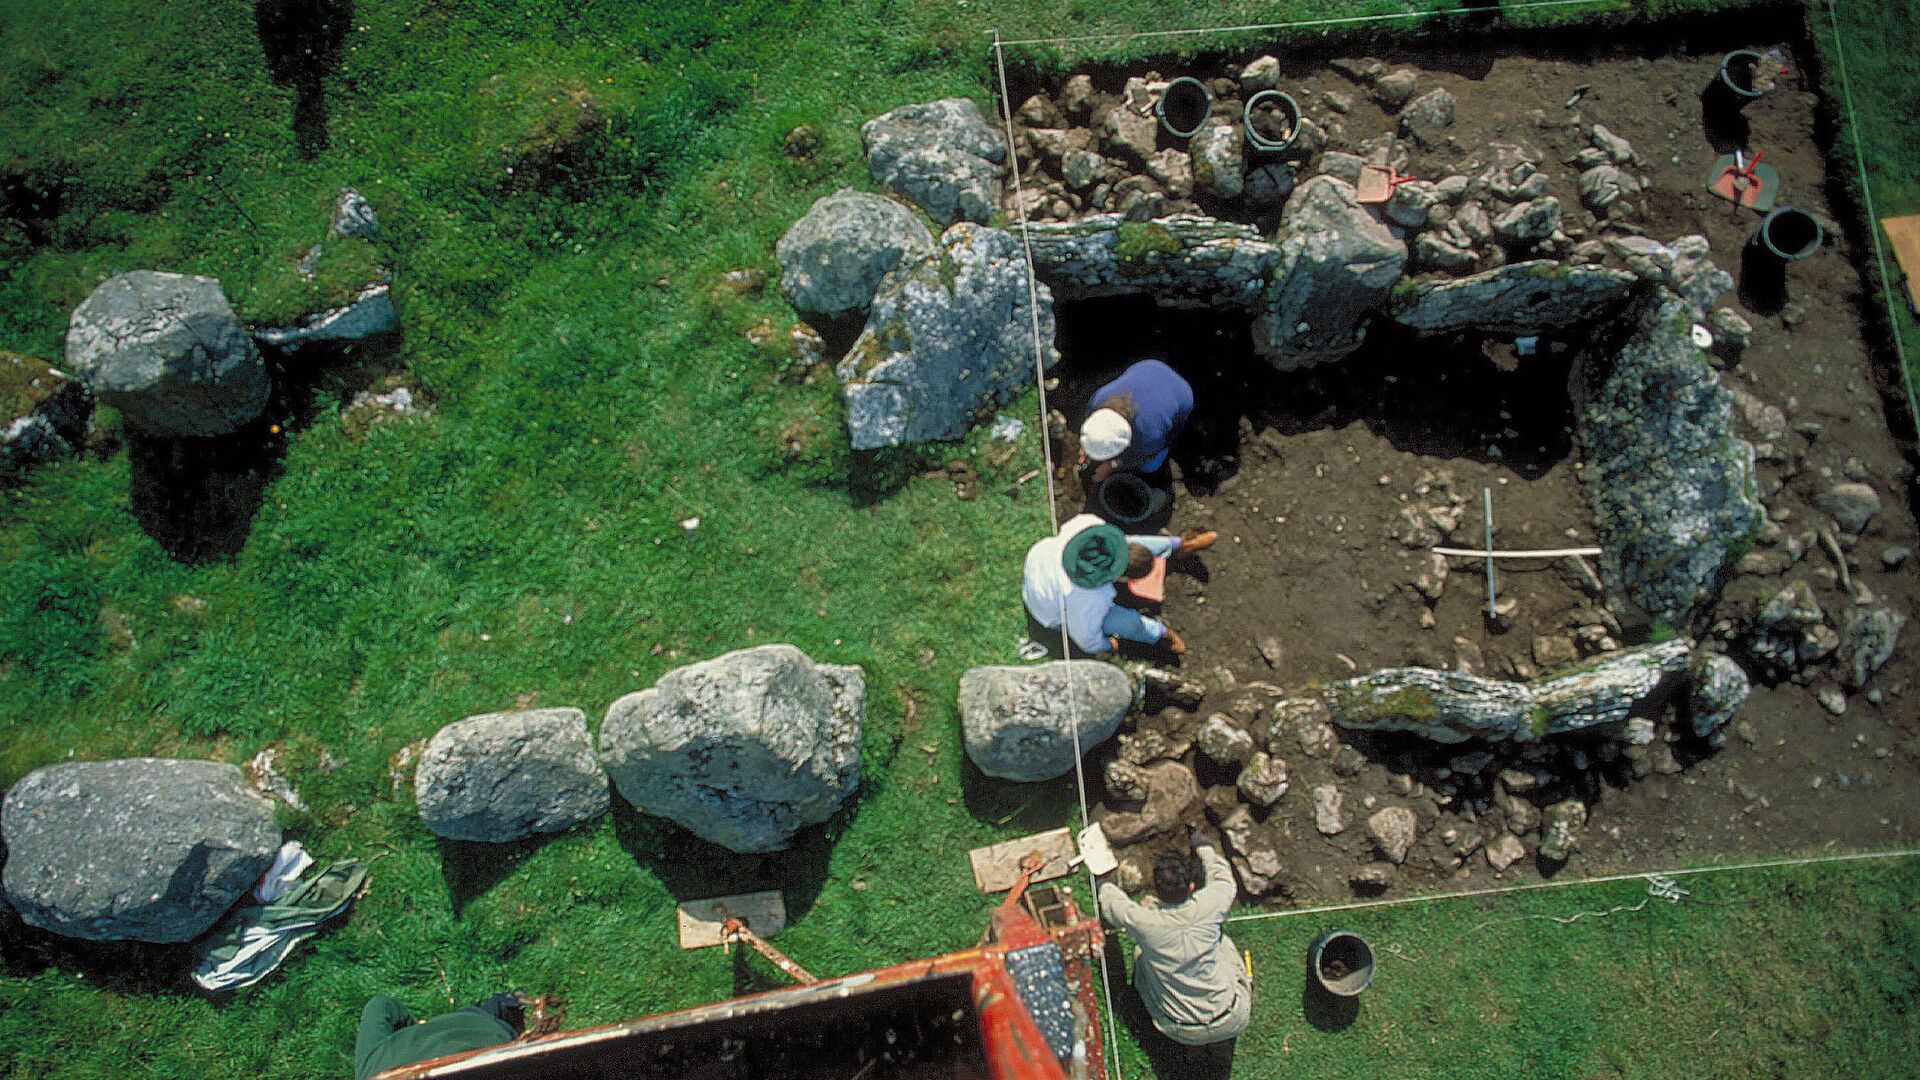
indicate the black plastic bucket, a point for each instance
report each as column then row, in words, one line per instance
column 1788, row 233
column 1126, row 499
column 1341, row 963
column 1288, row 109
column 1184, row 107
column 1734, row 85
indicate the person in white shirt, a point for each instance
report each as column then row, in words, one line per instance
column 1071, row 576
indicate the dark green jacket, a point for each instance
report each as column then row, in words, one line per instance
column 389, row 1037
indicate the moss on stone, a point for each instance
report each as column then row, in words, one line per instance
column 1136, row 241
column 24, row 384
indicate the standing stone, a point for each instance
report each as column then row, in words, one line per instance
column 1719, row 688
column 1337, row 266
column 166, row 350
column 832, row 259
column 1217, row 159
column 1019, row 722
column 942, row 155
column 1672, row 486
column 743, row 750
column 1393, row 830
column 1326, row 810
column 508, row 775
column 141, row 849
column 947, row 338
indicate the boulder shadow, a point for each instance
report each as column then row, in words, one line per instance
column 695, row 869
column 120, row 967
column 471, row 867
column 302, row 42
column 1022, row 806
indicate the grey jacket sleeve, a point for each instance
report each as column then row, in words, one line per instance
column 1116, row 907
column 1216, row 897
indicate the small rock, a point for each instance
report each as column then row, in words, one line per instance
column 1126, row 782
column 1552, row 651
column 1373, row 878
column 1393, row 830
column 1564, row 820
column 1261, row 74
column 1326, row 810
column 1426, row 119
column 353, row 216
column 1730, row 328
column 1619, row 150
column 1394, row 89
column 1264, row 780
column 1868, row 642
column 1504, row 851
column 1529, row 221
column 1076, row 97
column 1831, row 699
column 1718, row 688
column 1852, row 505
column 1225, row 742
column 1894, row 557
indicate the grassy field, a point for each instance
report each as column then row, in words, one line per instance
column 520, row 545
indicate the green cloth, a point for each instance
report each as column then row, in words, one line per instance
column 252, row 941
column 1095, row 556
column 389, row 1038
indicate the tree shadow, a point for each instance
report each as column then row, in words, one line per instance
column 694, row 869
column 302, row 40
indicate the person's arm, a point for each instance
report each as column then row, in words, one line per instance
column 1086, row 610
column 1116, row 907
column 1215, row 898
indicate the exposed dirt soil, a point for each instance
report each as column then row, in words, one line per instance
column 1305, row 476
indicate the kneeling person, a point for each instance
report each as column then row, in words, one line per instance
column 1187, row 970
column 1072, row 574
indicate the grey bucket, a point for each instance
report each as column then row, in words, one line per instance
column 1788, row 233
column 1732, row 67
column 1127, row 499
column 1192, row 103
column 1287, row 105
column 1341, row 963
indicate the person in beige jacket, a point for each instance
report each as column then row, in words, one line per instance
column 1188, row 971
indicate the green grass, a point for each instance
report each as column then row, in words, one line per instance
column 522, row 542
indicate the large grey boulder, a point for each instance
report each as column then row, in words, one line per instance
column 43, row 413
column 370, row 315
column 166, row 350
column 1019, row 721
column 743, row 750
column 508, row 775
column 1672, row 487
column 1452, row 707
column 947, row 338
column 832, row 259
column 1539, row 297
column 943, row 155
column 1182, row 260
column 141, row 849
column 1338, row 263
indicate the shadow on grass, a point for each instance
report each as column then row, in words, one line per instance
column 1169, row 1060
column 121, row 967
column 1026, row 807
column 302, row 40
column 471, row 867
column 694, row 869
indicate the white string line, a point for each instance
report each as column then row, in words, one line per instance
column 1768, row 864
column 1340, row 21
column 1873, row 222
column 1111, row 1060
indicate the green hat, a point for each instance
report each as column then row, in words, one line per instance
column 1095, row 556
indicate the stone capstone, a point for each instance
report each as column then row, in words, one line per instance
column 509, row 775
column 141, row 849
column 1452, row 707
column 1520, row 298
column 1337, row 266
column 832, row 259
column 1182, row 260
column 369, row 315
column 166, row 350
column 1672, row 487
column 942, row 155
column 947, row 338
column 743, row 750
column 1019, row 721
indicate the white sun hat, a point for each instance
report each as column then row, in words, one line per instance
column 1105, row 435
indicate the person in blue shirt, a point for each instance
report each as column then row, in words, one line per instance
column 1135, row 418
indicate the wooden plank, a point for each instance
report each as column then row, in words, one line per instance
column 1904, row 232
column 701, row 921
column 996, row 868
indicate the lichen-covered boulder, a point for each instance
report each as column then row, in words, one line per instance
column 1218, row 162
column 370, row 315
column 1539, row 297
column 1019, row 721
column 166, row 350
column 943, row 155
column 947, row 338
column 1604, row 689
column 141, row 849
column 508, row 775
column 1672, row 487
column 1338, row 264
column 1718, row 687
column 1182, row 260
column 43, row 413
column 743, row 750
column 833, row 258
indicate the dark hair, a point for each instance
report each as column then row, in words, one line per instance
column 1121, row 403
column 1174, row 876
column 1139, row 562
